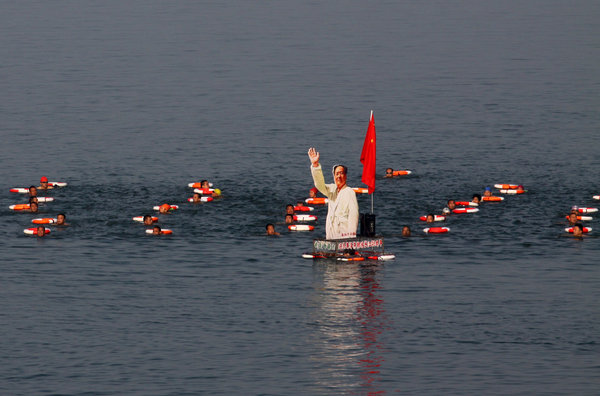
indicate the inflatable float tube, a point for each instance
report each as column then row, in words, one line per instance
column 198, row 185
column 316, row 201
column 19, row 207
column 506, row 186
column 33, row 231
column 586, row 210
column 162, row 232
column 465, row 210
column 19, row 190
column 202, row 199
column 141, row 219
column 57, row 184
column 436, row 230
column 401, row 172
column 44, row 220
column 303, row 217
column 492, row 199
column 466, row 203
column 300, row 227
column 45, row 199
column 585, row 229
column 382, row 257
column 597, row 197
column 303, row 208
column 171, row 207
column 358, row 258
column 512, row 191
column 360, row 190
column 583, row 218
column 435, row 218
column 204, row 191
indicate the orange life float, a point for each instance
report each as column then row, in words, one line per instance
column 401, row 172
column 57, row 184
column 141, row 219
column 300, row 227
column 436, row 230
column 512, row 191
column 44, row 220
column 19, row 207
column 506, row 186
column 582, row 218
column 492, row 199
column 33, row 231
column 465, row 210
column 204, row 191
column 585, row 229
column 360, row 190
column 163, row 231
column 435, row 218
column 466, row 203
column 171, row 207
column 358, row 258
column 316, row 201
column 303, row 208
column 202, row 199
column 198, row 185
column 586, row 210
column 20, row 190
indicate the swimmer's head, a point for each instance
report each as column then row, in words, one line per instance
column 270, row 229
column 41, row 231
column 476, row 198
column 156, row 230
column 164, row 208
column 289, row 219
column 33, row 199
column 520, row 187
column 32, row 191
column 430, row 218
column 204, row 184
column 217, row 192
column 33, row 207
column 451, row 204
column 313, row 192
column 60, row 219
column 406, row 231
column 148, row 219
column 289, row 209
column 578, row 229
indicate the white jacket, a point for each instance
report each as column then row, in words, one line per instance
column 342, row 214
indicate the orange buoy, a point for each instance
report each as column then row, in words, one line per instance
column 303, row 217
column 171, row 207
column 506, row 186
column 466, row 203
column 358, row 258
column 435, row 218
column 18, row 207
column 585, row 229
column 316, row 201
column 360, row 190
column 401, row 172
column 465, row 210
column 33, row 231
column 582, row 218
column 512, row 191
column 436, row 230
column 45, row 220
column 492, row 199
column 163, row 231
column 303, row 208
column 204, row 191
column 586, row 210
column 300, row 227
column 198, row 185
column 20, row 190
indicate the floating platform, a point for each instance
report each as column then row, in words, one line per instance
column 349, row 249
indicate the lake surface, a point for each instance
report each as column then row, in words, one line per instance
column 130, row 101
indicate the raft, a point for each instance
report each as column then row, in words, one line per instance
column 350, row 249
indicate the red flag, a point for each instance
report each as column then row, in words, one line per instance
column 369, row 155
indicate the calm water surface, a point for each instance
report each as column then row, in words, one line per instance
column 129, row 102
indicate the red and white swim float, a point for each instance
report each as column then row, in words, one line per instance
column 512, row 191
column 171, row 207
column 465, row 210
column 585, row 210
column 585, row 229
column 33, row 231
column 506, row 186
column 401, row 172
column 583, row 218
column 204, row 191
column 436, row 230
column 19, row 207
column 44, row 220
column 360, row 190
column 316, row 201
column 492, row 199
column 435, row 218
column 303, row 208
column 19, row 190
column 141, row 219
column 300, row 227
column 45, row 199
column 163, row 231
column 303, row 217
column 57, row 184
column 357, row 258
column 198, row 185
column 597, row 197
column 466, row 203
column 202, row 199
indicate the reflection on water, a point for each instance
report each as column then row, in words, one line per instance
column 350, row 319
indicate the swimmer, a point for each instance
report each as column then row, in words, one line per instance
column 204, row 184
column 61, row 219
column 451, row 204
column 289, row 219
column 520, row 188
column 196, row 198
column 33, row 199
column 156, row 230
column 578, row 230
column 44, row 183
column 148, row 220
column 33, row 207
column 289, row 209
column 271, row 229
column 406, row 231
column 389, row 172
column 33, row 191
column 476, row 198
column 313, row 192
column 487, row 192
column 41, row 231
column 430, row 218
column 572, row 218
column 164, row 208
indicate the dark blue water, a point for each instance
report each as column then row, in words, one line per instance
column 130, row 101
